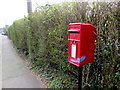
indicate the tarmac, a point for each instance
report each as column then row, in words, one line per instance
column 15, row 73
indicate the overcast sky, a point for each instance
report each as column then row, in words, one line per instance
column 11, row 10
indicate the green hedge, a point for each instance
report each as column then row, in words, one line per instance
column 42, row 37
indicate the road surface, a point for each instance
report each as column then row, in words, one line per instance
column 15, row 74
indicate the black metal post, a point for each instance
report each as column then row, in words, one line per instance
column 80, row 78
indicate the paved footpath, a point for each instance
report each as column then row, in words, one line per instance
column 0, row 62
column 15, row 74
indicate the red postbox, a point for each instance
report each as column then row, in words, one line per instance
column 81, row 38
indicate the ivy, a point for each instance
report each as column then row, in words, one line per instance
column 42, row 37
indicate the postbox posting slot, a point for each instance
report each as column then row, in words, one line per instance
column 74, row 32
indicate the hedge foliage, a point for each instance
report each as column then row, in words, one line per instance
column 42, row 37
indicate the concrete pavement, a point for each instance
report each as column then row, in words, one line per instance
column 15, row 74
column 0, row 62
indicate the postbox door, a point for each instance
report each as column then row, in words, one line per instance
column 74, row 52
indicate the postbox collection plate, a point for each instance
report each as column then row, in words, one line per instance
column 73, row 51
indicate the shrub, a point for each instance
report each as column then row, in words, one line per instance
column 42, row 36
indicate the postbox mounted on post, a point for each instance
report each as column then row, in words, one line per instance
column 81, row 38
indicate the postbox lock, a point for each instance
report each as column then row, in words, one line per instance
column 73, row 41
